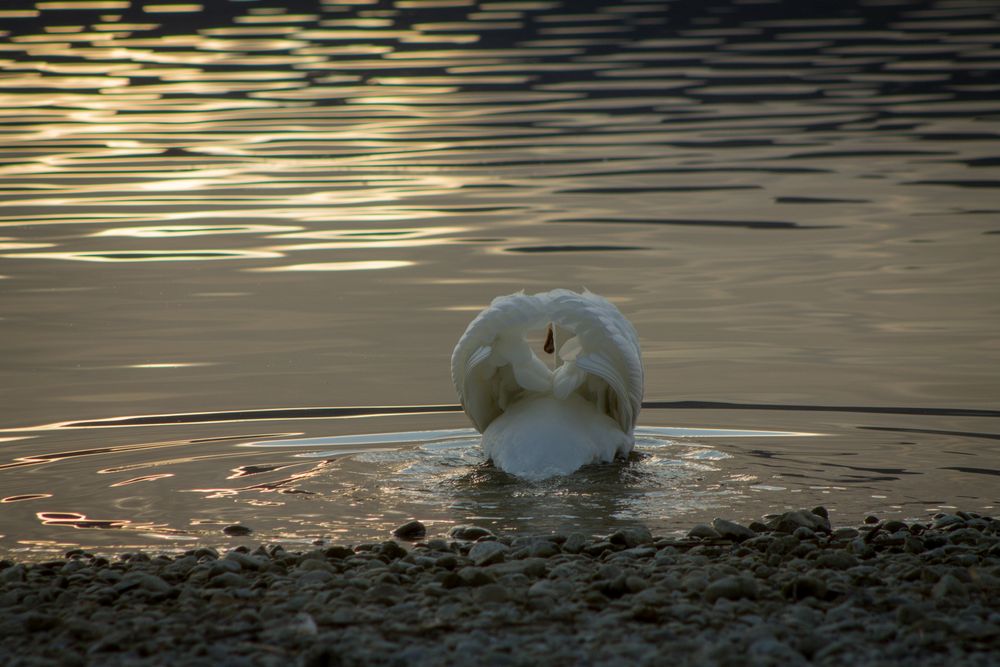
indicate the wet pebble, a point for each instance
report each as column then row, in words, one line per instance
column 470, row 533
column 788, row 522
column 730, row 530
column 411, row 530
column 948, row 586
column 703, row 531
column 792, row 594
column 143, row 581
column 486, row 553
column 731, row 588
column 227, row 580
column 631, row 536
column 837, row 560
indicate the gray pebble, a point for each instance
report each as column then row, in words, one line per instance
column 947, row 520
column 550, row 588
column 314, row 577
column 731, row 588
column 13, row 574
column 142, row 580
column 789, row 521
column 543, row 549
column 836, row 560
column 631, row 536
column 227, row 580
column 245, row 561
column 224, row 565
column 703, row 531
column 411, row 530
column 474, row 576
column 732, row 531
column 788, row 596
column 486, row 553
column 805, row 586
column 494, row 593
column 387, row 593
column 470, row 533
column 312, row 564
column 574, row 543
column 948, row 586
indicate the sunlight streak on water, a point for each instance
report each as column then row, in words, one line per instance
column 795, row 205
column 464, row 433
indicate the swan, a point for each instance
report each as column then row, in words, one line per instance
column 538, row 421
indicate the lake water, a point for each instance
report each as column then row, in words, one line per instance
column 238, row 243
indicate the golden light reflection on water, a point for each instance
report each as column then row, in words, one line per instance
column 76, row 5
column 368, row 265
column 115, row 256
column 770, row 180
column 171, row 231
column 172, row 364
column 25, row 496
column 144, row 478
column 172, row 8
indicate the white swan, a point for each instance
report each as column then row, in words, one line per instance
column 538, row 422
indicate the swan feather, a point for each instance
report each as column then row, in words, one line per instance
column 597, row 388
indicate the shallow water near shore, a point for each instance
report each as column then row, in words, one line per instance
column 213, row 222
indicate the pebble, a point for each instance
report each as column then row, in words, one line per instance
column 946, row 521
column 836, row 560
column 142, row 580
column 410, row 530
column 732, row 531
column 243, row 560
column 794, row 593
column 948, row 586
column 224, row 565
column 236, row 530
column 13, row 574
column 632, row 536
column 703, row 531
column 492, row 593
column 805, row 586
column 486, row 553
column 470, row 533
column 227, row 580
column 474, row 577
column 731, row 588
column 790, row 521
column 313, row 577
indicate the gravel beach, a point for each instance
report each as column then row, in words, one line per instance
column 788, row 591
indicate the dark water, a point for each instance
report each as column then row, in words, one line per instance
column 271, row 212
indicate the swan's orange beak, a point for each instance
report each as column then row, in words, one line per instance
column 550, row 343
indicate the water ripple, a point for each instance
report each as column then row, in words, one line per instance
column 796, row 205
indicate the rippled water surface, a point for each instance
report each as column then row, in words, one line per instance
column 227, row 229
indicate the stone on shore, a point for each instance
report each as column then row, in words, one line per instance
column 791, row 592
column 411, row 530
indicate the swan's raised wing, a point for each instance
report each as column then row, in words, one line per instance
column 492, row 365
column 602, row 359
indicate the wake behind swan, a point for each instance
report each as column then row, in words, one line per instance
column 539, row 421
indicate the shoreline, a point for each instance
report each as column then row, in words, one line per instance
column 794, row 590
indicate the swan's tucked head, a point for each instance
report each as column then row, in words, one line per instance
column 597, row 356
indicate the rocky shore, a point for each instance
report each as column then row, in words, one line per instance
column 790, row 591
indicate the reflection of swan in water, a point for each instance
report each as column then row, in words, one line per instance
column 538, row 422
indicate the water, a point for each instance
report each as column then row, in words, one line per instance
column 267, row 213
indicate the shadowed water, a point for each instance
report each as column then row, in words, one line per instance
column 215, row 217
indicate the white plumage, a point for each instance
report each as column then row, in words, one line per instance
column 536, row 421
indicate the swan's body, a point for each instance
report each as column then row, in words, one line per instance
column 536, row 421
